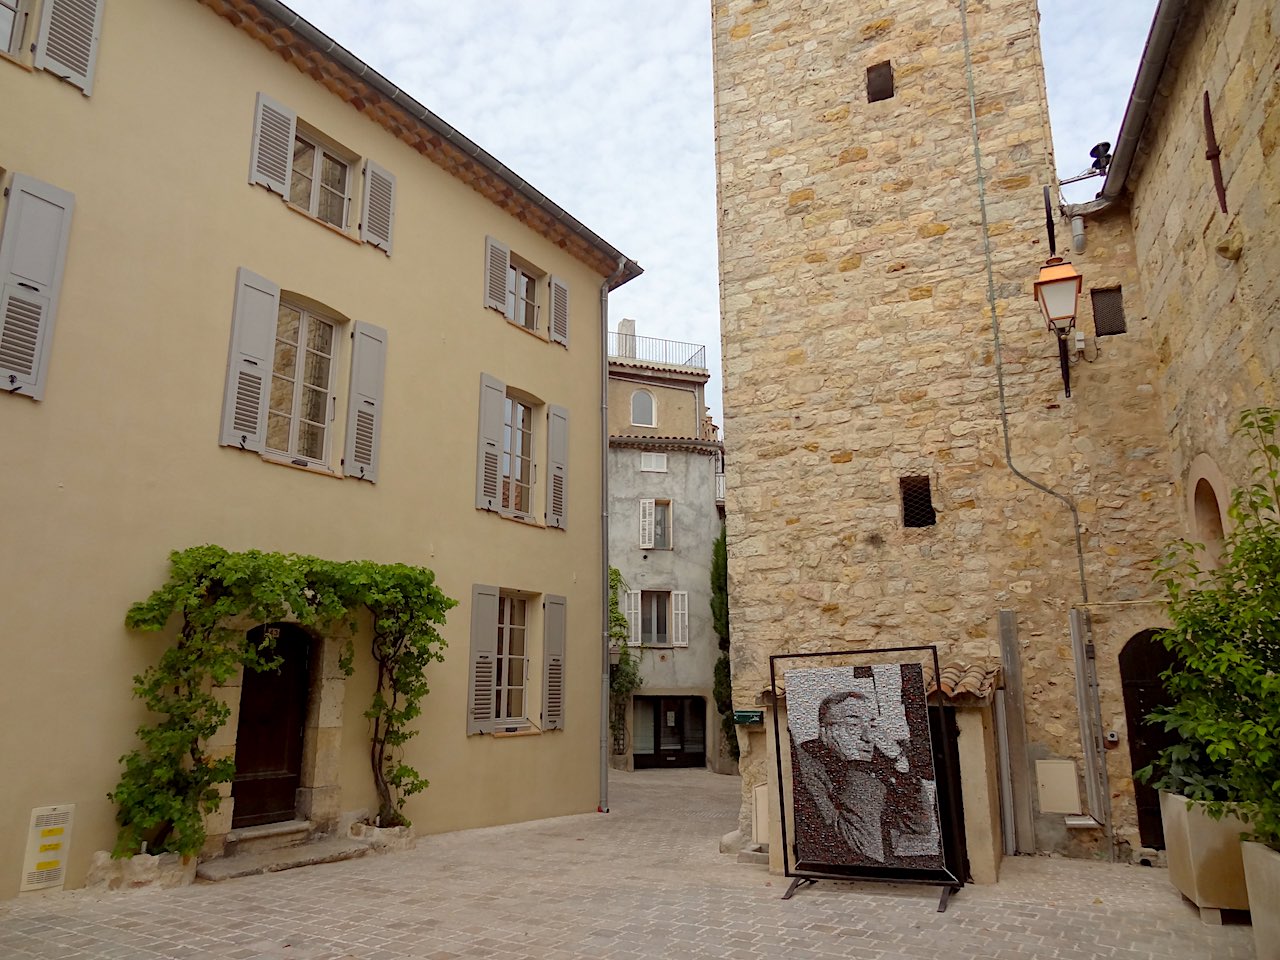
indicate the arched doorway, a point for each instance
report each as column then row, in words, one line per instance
column 1142, row 661
column 273, row 712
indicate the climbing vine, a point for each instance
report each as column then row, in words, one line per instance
column 722, row 687
column 170, row 782
column 624, row 676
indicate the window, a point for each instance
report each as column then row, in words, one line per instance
column 917, row 502
column 643, row 409
column 33, row 250
column 653, row 462
column 319, row 182
column 1108, row 312
column 294, row 161
column 879, row 82
column 291, row 412
column 504, row 654
column 658, row 617
column 515, row 288
column 12, row 21
column 298, row 413
column 655, row 524
column 506, row 466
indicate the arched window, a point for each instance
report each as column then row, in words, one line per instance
column 643, row 409
column 1209, row 519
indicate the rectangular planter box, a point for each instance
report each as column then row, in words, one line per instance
column 1204, row 857
column 1262, row 874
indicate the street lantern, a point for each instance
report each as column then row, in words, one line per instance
column 1057, row 292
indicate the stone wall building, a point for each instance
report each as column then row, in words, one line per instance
column 666, row 501
column 881, row 167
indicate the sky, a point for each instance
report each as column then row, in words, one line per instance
column 606, row 106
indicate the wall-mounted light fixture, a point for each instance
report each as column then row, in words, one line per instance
column 1058, row 291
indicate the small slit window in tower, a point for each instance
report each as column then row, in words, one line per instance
column 1108, row 312
column 917, row 502
column 879, row 82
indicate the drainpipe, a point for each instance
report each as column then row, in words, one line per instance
column 604, row 534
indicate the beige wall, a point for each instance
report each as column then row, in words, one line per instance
column 679, row 406
column 120, row 463
column 858, row 349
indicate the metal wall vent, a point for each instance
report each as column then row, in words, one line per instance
column 48, row 845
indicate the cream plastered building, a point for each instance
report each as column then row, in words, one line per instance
column 903, row 470
column 256, row 296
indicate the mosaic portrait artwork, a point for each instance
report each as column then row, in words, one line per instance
column 863, row 781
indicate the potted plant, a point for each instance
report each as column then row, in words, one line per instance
column 1225, row 689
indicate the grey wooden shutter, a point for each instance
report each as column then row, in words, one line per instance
column 558, row 466
column 631, row 610
column 559, row 311
column 489, row 447
column 646, row 523
column 484, row 659
column 378, row 207
column 253, row 337
column 33, row 252
column 364, row 403
column 67, row 44
column 271, row 161
column 680, row 618
column 497, row 264
column 554, row 622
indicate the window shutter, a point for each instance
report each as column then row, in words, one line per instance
column 378, row 207
column 253, row 336
column 67, row 44
column 558, row 463
column 33, row 252
column 364, row 403
column 493, row 394
column 646, row 523
column 679, row 618
column 484, row 659
column 631, row 610
column 274, row 126
column 553, row 647
column 497, row 263
column 559, row 311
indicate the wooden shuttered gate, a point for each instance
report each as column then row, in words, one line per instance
column 482, row 675
column 378, row 206
column 558, row 466
column 554, row 627
column 33, row 251
column 67, row 43
column 493, row 394
column 497, row 264
column 559, row 311
column 253, row 333
column 271, row 160
column 364, row 403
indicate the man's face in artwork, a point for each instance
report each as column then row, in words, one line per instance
column 848, row 727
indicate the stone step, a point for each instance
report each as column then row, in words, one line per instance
column 267, row 836
column 283, row 858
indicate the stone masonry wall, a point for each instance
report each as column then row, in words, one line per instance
column 858, row 349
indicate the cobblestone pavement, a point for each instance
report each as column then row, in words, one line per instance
column 645, row 881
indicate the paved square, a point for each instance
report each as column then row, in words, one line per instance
column 645, row 881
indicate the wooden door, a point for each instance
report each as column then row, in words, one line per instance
column 1142, row 661
column 273, row 712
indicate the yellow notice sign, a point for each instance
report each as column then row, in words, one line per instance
column 51, row 832
column 50, row 847
column 48, row 864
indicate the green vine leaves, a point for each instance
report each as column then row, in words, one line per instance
column 171, row 782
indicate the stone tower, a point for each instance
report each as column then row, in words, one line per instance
column 900, row 469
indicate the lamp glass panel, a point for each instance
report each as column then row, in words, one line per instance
column 1058, row 298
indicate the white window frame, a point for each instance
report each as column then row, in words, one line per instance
column 507, row 629
column 663, row 508
column 321, row 149
column 510, row 482
column 21, row 14
column 653, row 408
column 650, row 603
column 520, row 307
column 307, row 318
column 653, row 462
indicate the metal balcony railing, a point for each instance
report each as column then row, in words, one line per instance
column 720, row 488
column 670, row 353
